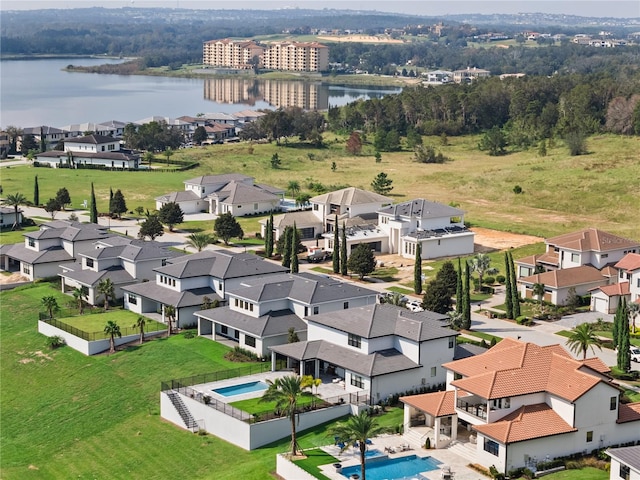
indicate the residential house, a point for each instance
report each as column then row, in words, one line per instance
column 605, row 298
column 110, row 128
column 470, row 74
column 54, row 244
column 558, row 283
column 50, row 135
column 378, row 348
column 8, row 217
column 188, row 282
column 438, row 77
column 122, row 260
column 173, row 123
column 625, row 463
column 525, row 403
column 5, row 144
column 218, row 194
column 263, row 309
column 91, row 151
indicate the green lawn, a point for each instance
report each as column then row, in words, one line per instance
column 484, row 336
column 95, row 322
column 588, row 473
column 254, row 405
column 15, row 236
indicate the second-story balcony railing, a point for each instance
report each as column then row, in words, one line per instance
column 476, row 409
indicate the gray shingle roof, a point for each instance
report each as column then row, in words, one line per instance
column 167, row 296
column 628, row 455
column 422, row 209
column 350, row 196
column 92, row 139
column 218, row 179
column 118, row 275
column 272, row 324
column 71, row 231
column 302, row 219
column 236, row 192
column 176, row 197
column 50, row 255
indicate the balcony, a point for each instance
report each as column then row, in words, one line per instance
column 478, row 410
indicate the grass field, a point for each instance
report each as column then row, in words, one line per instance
column 96, row 322
column 588, row 473
column 561, row 193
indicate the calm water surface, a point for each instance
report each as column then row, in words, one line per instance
column 38, row 92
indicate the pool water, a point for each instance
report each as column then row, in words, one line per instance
column 390, row 469
column 372, row 453
column 240, row 389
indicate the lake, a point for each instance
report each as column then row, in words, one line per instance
column 39, row 92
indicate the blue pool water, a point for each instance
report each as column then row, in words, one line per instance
column 373, row 452
column 390, row 469
column 240, row 389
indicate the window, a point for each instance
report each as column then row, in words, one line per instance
column 434, row 371
column 316, row 310
column 604, row 255
column 491, row 447
column 575, row 257
column 613, row 403
column 26, row 269
column 32, row 242
column 355, row 340
column 357, row 381
column 590, row 436
column 315, row 207
column 89, row 262
column 224, row 330
column 345, row 305
column 250, row 341
column 452, row 342
column 306, row 311
column 236, row 301
column 236, row 334
column 133, row 300
column 625, row 471
column 255, row 206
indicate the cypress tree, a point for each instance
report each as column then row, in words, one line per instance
column 515, row 296
column 343, row 250
column 268, row 237
column 459, row 292
column 615, row 332
column 294, row 252
column 624, row 358
column 286, row 254
column 508, row 294
column 466, row 301
column 93, row 214
column 336, row 251
column 417, row 271
column 36, row 192
column 110, row 199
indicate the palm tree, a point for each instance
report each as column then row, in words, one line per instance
column 286, row 392
column 633, row 310
column 200, row 240
column 140, row 324
column 355, row 432
column 106, row 288
column 582, row 338
column 396, row 299
column 538, row 291
column 294, row 188
column 112, row 329
column 170, row 313
column 15, row 200
column 168, row 153
column 79, row 294
column 51, row 304
column 481, row 263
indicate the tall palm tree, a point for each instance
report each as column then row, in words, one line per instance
column 79, row 294
column 112, row 329
column 170, row 313
column 199, row 240
column 286, row 392
column 633, row 310
column 355, row 432
column 15, row 200
column 294, row 188
column 582, row 338
column 481, row 264
column 538, row 291
column 140, row 324
column 106, row 288
column 51, row 304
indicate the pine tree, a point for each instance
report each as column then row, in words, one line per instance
column 93, row 214
column 515, row 296
column 286, row 253
column 508, row 294
column 466, row 300
column 459, row 291
column 36, row 192
column 343, row 250
column 268, row 237
column 294, row 251
column 118, row 205
column 336, row 244
column 417, row 271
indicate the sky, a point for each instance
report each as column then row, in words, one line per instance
column 585, row 8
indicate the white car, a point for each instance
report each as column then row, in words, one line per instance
column 634, row 352
column 415, row 306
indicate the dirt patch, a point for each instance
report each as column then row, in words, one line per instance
column 487, row 240
column 13, row 278
column 26, row 360
column 42, row 355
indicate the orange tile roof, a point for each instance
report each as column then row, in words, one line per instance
column 616, row 289
column 628, row 412
column 596, row 364
column 591, row 239
column 565, row 277
column 513, row 368
column 530, row 260
column 550, row 258
column 437, row 404
column 630, row 262
column 526, row 423
column 609, row 271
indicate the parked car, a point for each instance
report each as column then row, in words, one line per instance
column 415, row 306
column 634, row 352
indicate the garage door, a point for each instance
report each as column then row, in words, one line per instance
column 600, row 305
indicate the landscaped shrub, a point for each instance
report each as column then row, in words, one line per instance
column 489, row 280
column 55, row 341
column 189, row 334
column 501, row 279
column 239, row 354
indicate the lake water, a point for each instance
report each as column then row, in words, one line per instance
column 39, row 92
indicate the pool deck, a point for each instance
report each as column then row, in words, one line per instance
column 350, row 456
column 207, row 388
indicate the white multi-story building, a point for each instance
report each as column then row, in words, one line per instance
column 230, row 53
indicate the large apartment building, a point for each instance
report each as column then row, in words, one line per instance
column 286, row 56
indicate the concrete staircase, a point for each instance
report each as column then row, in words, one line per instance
column 465, row 450
column 415, row 438
column 184, row 412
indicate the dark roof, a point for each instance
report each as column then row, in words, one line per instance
column 217, row 179
column 177, row 197
column 438, row 232
column 381, row 320
column 422, row 209
column 70, row 231
column 118, row 155
column 269, row 325
column 118, row 275
column 34, row 257
column 378, row 363
column 168, row 296
column 628, row 455
column 220, row 265
column 93, row 139
column 134, row 251
column 466, row 350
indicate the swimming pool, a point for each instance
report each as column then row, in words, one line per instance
column 394, row 468
column 233, row 390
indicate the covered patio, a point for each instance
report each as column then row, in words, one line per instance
column 433, row 416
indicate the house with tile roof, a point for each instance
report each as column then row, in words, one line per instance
column 54, row 244
column 190, row 281
column 625, row 463
column 122, row 260
column 378, row 348
column 606, row 298
column 558, row 283
column 218, row 194
column 525, row 403
column 261, row 311
column 91, row 151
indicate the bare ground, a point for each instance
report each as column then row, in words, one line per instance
column 12, row 278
